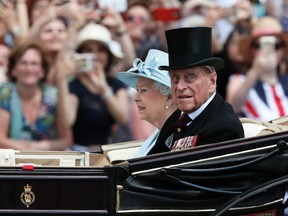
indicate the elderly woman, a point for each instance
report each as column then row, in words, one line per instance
column 28, row 106
column 153, row 97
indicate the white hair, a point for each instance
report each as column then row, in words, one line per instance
column 210, row 68
column 163, row 89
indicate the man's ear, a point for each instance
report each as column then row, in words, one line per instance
column 213, row 80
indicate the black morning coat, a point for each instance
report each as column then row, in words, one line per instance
column 217, row 122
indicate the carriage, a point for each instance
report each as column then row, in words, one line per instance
column 246, row 176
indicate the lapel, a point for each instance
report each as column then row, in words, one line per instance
column 191, row 130
column 204, row 117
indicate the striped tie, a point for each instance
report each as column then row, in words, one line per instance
column 182, row 123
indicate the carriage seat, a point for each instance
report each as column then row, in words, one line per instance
column 256, row 128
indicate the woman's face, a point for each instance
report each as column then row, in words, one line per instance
column 233, row 49
column 137, row 20
column 28, row 69
column 98, row 49
column 53, row 35
column 150, row 102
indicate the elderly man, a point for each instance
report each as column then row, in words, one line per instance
column 205, row 116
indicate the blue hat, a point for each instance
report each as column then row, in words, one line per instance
column 148, row 69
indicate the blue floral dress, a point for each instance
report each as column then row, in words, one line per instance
column 45, row 125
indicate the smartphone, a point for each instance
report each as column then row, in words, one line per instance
column 84, row 61
column 118, row 5
column 267, row 44
column 166, row 14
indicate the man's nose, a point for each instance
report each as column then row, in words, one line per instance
column 181, row 84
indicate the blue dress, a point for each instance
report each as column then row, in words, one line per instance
column 94, row 121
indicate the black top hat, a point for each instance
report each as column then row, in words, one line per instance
column 189, row 47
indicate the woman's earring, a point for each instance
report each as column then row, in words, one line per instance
column 166, row 107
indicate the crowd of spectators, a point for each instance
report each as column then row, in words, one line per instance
column 91, row 107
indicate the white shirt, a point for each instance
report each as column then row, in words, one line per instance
column 197, row 112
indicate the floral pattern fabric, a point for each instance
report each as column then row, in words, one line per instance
column 45, row 125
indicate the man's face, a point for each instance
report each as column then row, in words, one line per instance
column 192, row 87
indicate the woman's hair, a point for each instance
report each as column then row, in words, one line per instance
column 163, row 89
column 17, row 54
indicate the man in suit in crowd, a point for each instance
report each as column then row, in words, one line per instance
column 208, row 118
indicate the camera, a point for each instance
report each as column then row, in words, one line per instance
column 84, row 61
column 166, row 14
column 267, row 44
column 118, row 5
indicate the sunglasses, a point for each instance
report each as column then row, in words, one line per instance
column 132, row 18
column 278, row 45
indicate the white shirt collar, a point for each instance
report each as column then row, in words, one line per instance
column 197, row 112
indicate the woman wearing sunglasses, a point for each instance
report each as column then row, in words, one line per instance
column 262, row 92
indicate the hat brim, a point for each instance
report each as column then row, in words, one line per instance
column 131, row 78
column 215, row 62
column 117, row 55
column 128, row 78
